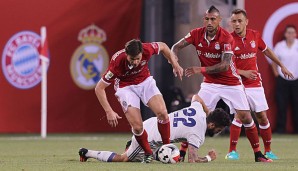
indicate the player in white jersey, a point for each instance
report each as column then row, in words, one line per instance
column 187, row 125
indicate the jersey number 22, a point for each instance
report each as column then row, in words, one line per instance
column 189, row 122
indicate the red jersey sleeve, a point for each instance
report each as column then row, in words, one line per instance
column 228, row 44
column 190, row 37
column 151, row 48
column 261, row 44
column 111, row 73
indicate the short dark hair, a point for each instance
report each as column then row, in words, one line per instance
column 133, row 47
column 212, row 9
column 219, row 117
column 290, row 26
column 240, row 11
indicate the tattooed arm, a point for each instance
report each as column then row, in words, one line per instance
column 220, row 67
column 179, row 45
column 194, row 158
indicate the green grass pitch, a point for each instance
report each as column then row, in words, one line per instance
column 60, row 152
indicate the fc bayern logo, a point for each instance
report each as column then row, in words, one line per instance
column 20, row 60
column 90, row 59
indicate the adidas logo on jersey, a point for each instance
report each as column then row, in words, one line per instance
column 237, row 48
column 200, row 45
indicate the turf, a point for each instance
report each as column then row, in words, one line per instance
column 60, row 152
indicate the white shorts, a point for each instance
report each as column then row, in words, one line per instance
column 135, row 153
column 256, row 99
column 131, row 95
column 233, row 96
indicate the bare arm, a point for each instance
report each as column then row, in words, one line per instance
column 251, row 74
column 193, row 155
column 165, row 50
column 274, row 69
column 199, row 99
column 102, row 98
column 268, row 52
column 220, row 67
column 182, row 43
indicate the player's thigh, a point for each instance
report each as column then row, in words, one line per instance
column 157, row 105
column 256, row 99
column 127, row 97
column 120, row 158
column 235, row 97
column 150, row 90
column 210, row 95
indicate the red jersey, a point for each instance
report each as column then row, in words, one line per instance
column 210, row 53
column 120, row 69
column 245, row 51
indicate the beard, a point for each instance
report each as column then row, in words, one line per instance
column 210, row 132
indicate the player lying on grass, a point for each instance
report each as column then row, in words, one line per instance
column 189, row 124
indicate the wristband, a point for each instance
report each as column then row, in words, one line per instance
column 203, row 70
column 208, row 158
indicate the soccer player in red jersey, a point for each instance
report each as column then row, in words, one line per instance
column 133, row 82
column 214, row 48
column 247, row 44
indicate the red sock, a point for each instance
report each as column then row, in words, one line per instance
column 183, row 146
column 235, row 130
column 252, row 135
column 143, row 142
column 266, row 134
column 164, row 130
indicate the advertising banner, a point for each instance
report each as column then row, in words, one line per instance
column 82, row 36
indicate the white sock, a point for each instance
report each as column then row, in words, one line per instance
column 106, row 156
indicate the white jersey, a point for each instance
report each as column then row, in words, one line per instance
column 188, row 124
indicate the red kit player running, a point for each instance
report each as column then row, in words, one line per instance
column 129, row 69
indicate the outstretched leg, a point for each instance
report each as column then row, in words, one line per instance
column 105, row 156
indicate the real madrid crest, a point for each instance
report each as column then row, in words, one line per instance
column 217, row 46
column 253, row 44
column 90, row 59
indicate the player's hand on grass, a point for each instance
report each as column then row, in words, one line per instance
column 287, row 73
column 192, row 70
column 112, row 118
column 212, row 154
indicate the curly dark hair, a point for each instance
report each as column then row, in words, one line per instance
column 219, row 117
column 133, row 47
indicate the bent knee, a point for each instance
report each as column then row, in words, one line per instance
column 137, row 129
column 244, row 116
column 162, row 114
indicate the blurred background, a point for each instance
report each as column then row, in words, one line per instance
column 84, row 34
